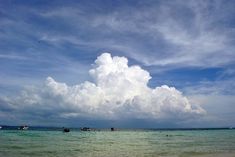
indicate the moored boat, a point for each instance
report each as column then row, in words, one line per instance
column 85, row 129
column 66, row 130
column 23, row 127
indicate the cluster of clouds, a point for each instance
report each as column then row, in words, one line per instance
column 119, row 91
column 161, row 36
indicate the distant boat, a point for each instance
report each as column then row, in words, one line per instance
column 85, row 129
column 24, row 127
column 0, row 127
column 66, row 130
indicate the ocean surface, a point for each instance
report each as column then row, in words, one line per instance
column 159, row 143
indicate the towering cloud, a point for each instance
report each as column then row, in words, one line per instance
column 118, row 91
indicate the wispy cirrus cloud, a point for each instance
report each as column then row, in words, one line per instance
column 187, row 32
column 174, row 34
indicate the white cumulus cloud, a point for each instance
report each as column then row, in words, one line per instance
column 118, row 91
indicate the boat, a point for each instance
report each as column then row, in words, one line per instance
column 0, row 127
column 85, row 129
column 66, row 130
column 23, row 127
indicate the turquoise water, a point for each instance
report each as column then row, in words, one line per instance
column 14, row 143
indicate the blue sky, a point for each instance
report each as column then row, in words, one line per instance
column 188, row 45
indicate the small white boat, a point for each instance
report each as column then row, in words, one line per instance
column 23, row 127
column 85, row 129
column 0, row 127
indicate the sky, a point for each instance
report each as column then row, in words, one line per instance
column 130, row 64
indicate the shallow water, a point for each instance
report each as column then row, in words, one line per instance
column 15, row 143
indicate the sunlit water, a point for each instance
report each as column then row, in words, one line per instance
column 14, row 143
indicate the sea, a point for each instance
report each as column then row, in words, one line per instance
column 51, row 142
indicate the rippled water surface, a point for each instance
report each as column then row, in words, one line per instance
column 14, row 143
